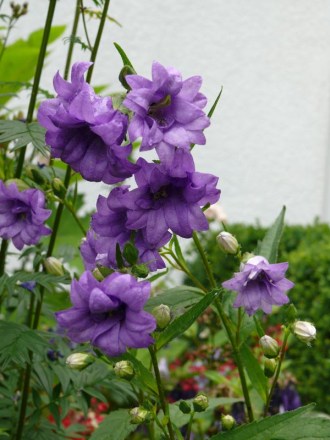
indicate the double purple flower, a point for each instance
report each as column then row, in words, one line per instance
column 109, row 314
column 85, row 131
column 260, row 285
column 22, row 215
column 168, row 113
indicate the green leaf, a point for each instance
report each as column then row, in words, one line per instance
column 254, row 371
column 300, row 424
column 115, row 426
column 27, row 50
column 48, row 281
column 23, row 134
column 15, row 342
column 210, row 113
column 178, row 251
column 268, row 248
column 124, row 57
column 181, row 324
column 178, row 297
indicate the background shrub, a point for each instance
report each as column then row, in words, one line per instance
column 307, row 249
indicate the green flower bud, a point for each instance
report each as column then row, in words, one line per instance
column 305, row 331
column 184, row 407
column 270, row 367
column 162, row 314
column 228, row 243
column 140, row 270
column 269, row 346
column 291, row 313
column 79, row 361
column 53, row 266
column 58, row 187
column 228, row 422
column 19, row 183
column 139, row 415
column 124, row 370
column 35, row 174
column 97, row 274
column 200, row 402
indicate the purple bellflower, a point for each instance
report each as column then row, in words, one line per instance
column 167, row 112
column 162, row 202
column 22, row 215
column 85, row 131
column 108, row 229
column 260, row 285
column 109, row 314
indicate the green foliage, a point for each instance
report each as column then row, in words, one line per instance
column 270, row 243
column 23, row 134
column 28, row 51
column 115, row 426
column 300, row 424
column 307, row 249
column 254, row 371
column 183, row 322
column 15, row 342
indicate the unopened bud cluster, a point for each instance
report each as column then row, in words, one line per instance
column 200, row 402
column 139, row 415
column 227, row 422
column 162, row 314
column 53, row 266
column 269, row 346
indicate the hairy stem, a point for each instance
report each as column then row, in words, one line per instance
column 162, row 398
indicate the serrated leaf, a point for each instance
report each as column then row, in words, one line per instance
column 177, row 297
column 254, row 371
column 15, row 342
column 268, row 248
column 45, row 377
column 183, row 322
column 22, row 134
column 300, row 424
column 48, row 281
column 115, row 426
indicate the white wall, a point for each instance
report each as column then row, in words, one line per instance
column 268, row 141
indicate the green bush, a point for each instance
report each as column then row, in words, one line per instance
column 307, row 249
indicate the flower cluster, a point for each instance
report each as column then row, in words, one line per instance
column 22, row 215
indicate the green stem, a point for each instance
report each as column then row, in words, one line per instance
column 278, row 370
column 3, row 251
column 36, row 82
column 4, row 44
column 98, row 40
column 188, row 433
column 162, row 398
column 205, row 260
column 71, row 45
column 227, row 324
column 188, row 273
column 84, row 24
column 70, row 208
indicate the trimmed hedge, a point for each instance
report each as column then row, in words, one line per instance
column 307, row 249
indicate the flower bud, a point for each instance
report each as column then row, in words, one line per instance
column 124, row 370
column 228, row 243
column 291, row 313
column 162, row 314
column 140, row 270
column 200, row 402
column 79, row 361
column 269, row 346
column 184, row 407
column 53, row 266
column 270, row 367
column 58, row 187
column 305, row 331
column 139, row 415
column 246, row 257
column 228, row 422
